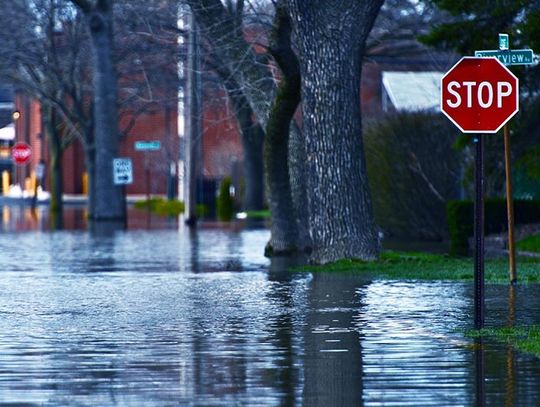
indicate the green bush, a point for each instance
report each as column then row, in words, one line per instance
column 460, row 218
column 224, row 202
column 161, row 206
column 412, row 170
column 202, row 210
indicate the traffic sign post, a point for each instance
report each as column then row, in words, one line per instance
column 479, row 95
column 21, row 153
column 122, row 171
column 145, row 146
column 509, row 57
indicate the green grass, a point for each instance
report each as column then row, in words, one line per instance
column 529, row 244
column 161, row 206
column 524, row 339
column 426, row 266
column 262, row 214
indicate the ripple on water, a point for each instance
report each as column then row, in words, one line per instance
column 163, row 318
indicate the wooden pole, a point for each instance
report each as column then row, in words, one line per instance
column 509, row 208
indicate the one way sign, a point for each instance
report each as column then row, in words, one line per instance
column 122, row 171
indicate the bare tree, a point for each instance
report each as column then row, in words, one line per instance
column 46, row 51
column 233, row 32
column 44, row 54
column 107, row 199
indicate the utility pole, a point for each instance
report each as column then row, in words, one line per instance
column 193, row 123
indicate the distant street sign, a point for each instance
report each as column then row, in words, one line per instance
column 147, row 145
column 21, row 153
column 504, row 42
column 509, row 56
column 122, row 171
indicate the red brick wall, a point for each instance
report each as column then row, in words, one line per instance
column 221, row 138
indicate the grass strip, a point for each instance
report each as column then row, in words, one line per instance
column 394, row 265
column 529, row 244
column 524, row 339
column 262, row 214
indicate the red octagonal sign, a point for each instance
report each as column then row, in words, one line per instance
column 479, row 95
column 21, row 153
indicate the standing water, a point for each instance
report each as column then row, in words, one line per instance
column 171, row 317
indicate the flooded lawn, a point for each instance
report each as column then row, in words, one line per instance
column 168, row 317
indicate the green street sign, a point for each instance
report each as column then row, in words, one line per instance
column 147, row 145
column 504, row 42
column 509, row 57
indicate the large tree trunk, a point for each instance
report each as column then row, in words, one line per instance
column 298, row 185
column 109, row 199
column 331, row 38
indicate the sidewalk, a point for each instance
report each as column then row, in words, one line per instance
column 68, row 199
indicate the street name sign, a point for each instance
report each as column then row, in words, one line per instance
column 143, row 145
column 21, row 153
column 509, row 56
column 479, row 95
column 122, row 171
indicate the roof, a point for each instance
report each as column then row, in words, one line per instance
column 412, row 91
column 8, row 132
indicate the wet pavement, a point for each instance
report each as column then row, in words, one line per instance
column 166, row 317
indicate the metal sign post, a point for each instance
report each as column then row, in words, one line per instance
column 479, row 95
column 479, row 295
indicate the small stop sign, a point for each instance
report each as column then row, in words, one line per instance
column 479, row 95
column 21, row 153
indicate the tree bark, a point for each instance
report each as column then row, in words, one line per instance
column 108, row 199
column 284, row 228
column 331, row 39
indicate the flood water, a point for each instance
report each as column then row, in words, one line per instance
column 168, row 317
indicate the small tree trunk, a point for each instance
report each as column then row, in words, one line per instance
column 55, row 160
column 252, row 143
column 108, row 198
column 90, row 163
column 331, row 37
column 284, row 229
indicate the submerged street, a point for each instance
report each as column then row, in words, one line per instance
column 169, row 317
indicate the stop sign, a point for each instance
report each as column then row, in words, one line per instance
column 21, row 153
column 479, row 95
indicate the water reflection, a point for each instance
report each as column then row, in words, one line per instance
column 183, row 317
column 480, row 373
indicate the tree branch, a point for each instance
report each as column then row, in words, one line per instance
column 84, row 5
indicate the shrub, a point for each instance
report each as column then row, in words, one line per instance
column 224, row 202
column 161, row 206
column 413, row 170
column 460, row 218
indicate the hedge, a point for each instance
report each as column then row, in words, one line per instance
column 460, row 218
column 224, row 201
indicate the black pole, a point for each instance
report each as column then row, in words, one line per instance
column 479, row 233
